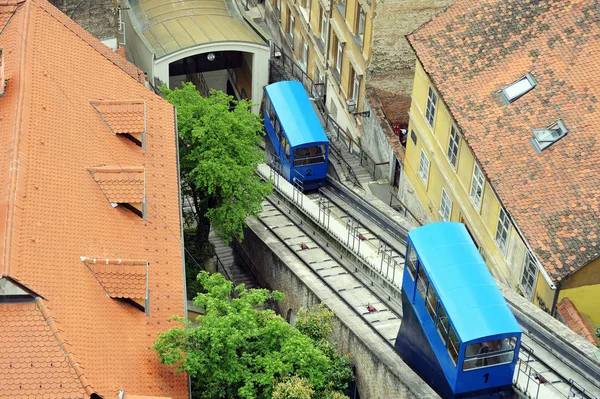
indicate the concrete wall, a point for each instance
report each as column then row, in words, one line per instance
column 137, row 48
column 381, row 373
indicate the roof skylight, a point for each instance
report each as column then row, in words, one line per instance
column 517, row 89
column 543, row 138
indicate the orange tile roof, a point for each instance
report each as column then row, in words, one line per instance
column 574, row 320
column 122, row 116
column 52, row 211
column 120, row 184
column 32, row 354
column 120, row 278
column 473, row 50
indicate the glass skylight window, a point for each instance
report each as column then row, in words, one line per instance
column 516, row 89
column 543, row 138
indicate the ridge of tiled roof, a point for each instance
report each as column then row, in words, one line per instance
column 120, row 185
column 120, row 278
column 27, row 373
column 473, row 50
column 127, row 116
column 133, row 71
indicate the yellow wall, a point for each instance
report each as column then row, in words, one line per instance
column 457, row 183
column 587, row 301
column 543, row 295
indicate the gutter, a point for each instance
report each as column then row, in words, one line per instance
column 179, row 198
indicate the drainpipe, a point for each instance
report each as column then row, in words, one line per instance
column 555, row 300
column 117, row 22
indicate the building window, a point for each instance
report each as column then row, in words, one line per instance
column 502, row 231
column 477, row 184
column 338, row 58
column 291, row 28
column 431, row 104
column 529, row 275
column 279, row 4
column 453, row 146
column 306, row 5
column 424, row 167
column 304, row 60
column 360, row 25
column 323, row 24
column 517, row 89
column 445, row 207
column 341, row 5
column 543, row 138
column 354, row 89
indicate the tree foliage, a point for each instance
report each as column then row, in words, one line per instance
column 218, row 154
column 238, row 349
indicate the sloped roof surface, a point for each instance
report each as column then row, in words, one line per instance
column 52, row 211
column 476, row 48
column 122, row 116
column 120, row 184
column 31, row 373
column 172, row 25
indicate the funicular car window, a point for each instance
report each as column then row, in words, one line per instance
column 453, row 344
column 411, row 261
column 422, row 282
column 309, row 155
column 442, row 323
column 490, row 353
column 431, row 302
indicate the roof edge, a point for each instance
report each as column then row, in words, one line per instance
column 63, row 345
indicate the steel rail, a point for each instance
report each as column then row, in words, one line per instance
column 321, row 278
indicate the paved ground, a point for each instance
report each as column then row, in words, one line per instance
column 95, row 16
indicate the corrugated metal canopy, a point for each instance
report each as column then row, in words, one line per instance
column 296, row 113
column 462, row 281
column 172, row 25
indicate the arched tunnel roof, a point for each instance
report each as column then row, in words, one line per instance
column 172, row 25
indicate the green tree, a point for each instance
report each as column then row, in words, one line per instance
column 218, row 154
column 238, row 349
column 293, row 388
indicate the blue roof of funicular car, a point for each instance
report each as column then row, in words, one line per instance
column 462, row 281
column 296, row 113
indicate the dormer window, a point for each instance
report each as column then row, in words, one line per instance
column 122, row 186
column 517, row 89
column 125, row 118
column 544, row 138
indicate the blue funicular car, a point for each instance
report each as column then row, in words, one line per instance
column 457, row 331
column 296, row 134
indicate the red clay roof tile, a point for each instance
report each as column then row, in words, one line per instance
column 472, row 51
column 32, row 359
column 53, row 212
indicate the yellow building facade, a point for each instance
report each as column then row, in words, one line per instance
column 331, row 41
column 451, row 186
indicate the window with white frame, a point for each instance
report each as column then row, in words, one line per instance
column 453, row 146
column 304, row 54
column 291, row 28
column 338, row 58
column 355, row 87
column 445, row 207
column 360, row 25
column 502, row 230
column 477, row 184
column 431, row 104
column 424, row 167
column 529, row 275
column 323, row 24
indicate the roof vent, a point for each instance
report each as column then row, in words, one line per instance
column 517, row 89
column 543, row 138
column 122, row 186
column 125, row 118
